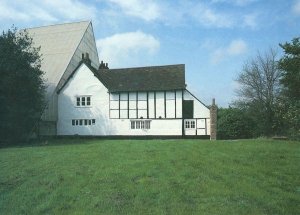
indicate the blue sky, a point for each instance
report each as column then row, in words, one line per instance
column 213, row 38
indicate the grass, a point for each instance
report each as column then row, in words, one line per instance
column 77, row 176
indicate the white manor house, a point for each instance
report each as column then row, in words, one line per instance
column 85, row 97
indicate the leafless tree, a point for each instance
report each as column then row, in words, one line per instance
column 260, row 87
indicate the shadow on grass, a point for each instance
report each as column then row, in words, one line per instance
column 50, row 141
column 76, row 139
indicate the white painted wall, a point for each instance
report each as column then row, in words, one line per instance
column 151, row 105
column 84, row 83
column 178, row 103
column 160, row 105
column 201, row 112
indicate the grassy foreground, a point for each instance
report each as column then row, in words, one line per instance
column 151, row 177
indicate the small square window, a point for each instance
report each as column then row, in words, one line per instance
column 187, row 124
column 140, row 124
column 80, row 122
column 93, row 121
column 77, row 121
column 83, row 101
column 90, row 121
column 73, row 122
column 192, row 124
column 85, row 122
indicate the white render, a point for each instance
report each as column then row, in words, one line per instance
column 111, row 113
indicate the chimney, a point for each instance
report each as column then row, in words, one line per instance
column 86, row 58
column 213, row 120
column 103, row 65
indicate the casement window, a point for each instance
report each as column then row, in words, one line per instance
column 83, row 101
column 190, row 124
column 83, row 122
column 193, row 124
column 140, row 124
column 187, row 124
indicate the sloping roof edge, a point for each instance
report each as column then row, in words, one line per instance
column 60, row 80
column 198, row 99
column 65, row 23
column 83, row 61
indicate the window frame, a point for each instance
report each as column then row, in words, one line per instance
column 84, row 101
column 140, row 124
column 193, row 124
column 190, row 124
column 83, row 122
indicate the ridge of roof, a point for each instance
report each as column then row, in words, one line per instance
column 144, row 67
column 52, row 25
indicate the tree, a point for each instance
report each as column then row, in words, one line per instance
column 234, row 123
column 290, row 66
column 290, row 98
column 259, row 90
column 21, row 85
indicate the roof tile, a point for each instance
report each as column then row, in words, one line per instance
column 156, row 78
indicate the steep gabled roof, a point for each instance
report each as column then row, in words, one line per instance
column 168, row 77
column 58, row 45
column 62, row 47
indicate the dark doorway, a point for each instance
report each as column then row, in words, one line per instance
column 188, row 109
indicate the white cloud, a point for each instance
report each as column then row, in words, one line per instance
column 210, row 18
column 72, row 9
column 146, row 10
column 187, row 12
column 236, row 47
column 174, row 13
column 296, row 7
column 235, row 2
column 9, row 13
column 119, row 49
column 250, row 20
column 40, row 13
column 46, row 11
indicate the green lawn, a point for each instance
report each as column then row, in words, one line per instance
column 77, row 176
